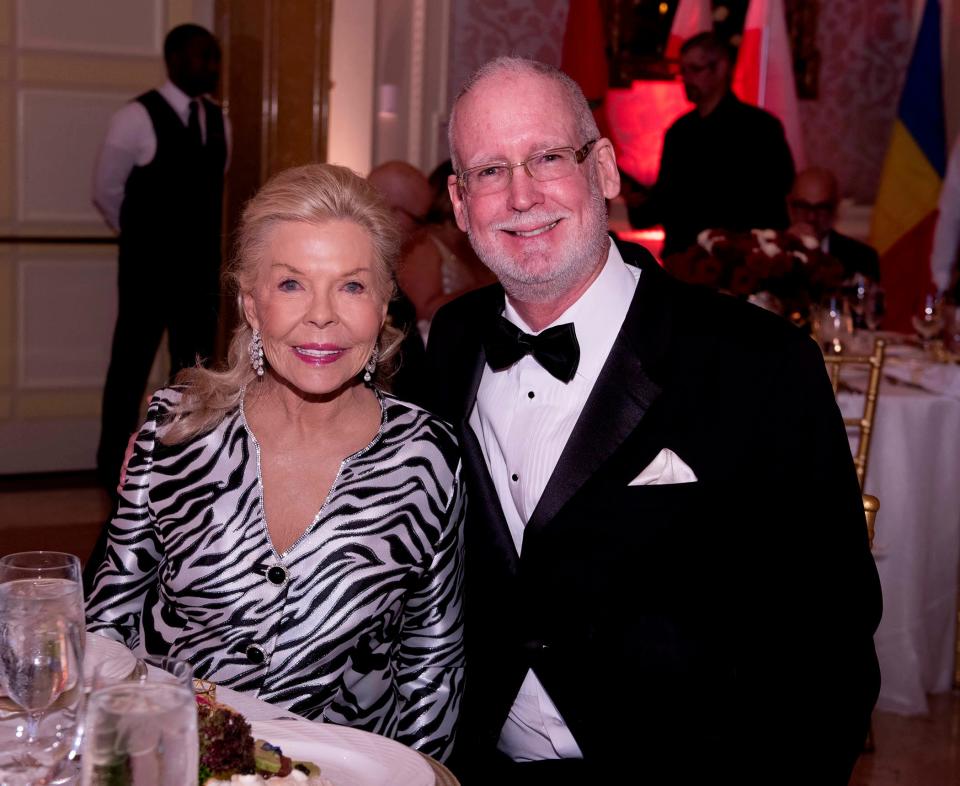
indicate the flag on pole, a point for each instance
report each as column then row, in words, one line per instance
column 905, row 212
column 764, row 72
column 690, row 18
column 584, row 56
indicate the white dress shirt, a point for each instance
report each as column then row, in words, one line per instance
column 131, row 141
column 523, row 418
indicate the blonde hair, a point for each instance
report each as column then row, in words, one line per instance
column 313, row 194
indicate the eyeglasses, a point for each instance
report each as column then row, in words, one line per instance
column 695, row 69
column 546, row 165
column 802, row 206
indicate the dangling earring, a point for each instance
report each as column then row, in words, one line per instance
column 371, row 367
column 256, row 352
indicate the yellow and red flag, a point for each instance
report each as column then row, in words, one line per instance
column 905, row 212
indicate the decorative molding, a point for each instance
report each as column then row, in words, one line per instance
column 77, row 27
column 43, row 405
column 8, row 311
column 49, row 69
column 418, row 37
column 64, row 328
column 50, row 170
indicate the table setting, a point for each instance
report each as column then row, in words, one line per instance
column 913, row 469
column 80, row 708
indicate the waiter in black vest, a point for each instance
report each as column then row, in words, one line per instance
column 159, row 184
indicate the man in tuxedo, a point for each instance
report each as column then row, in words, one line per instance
column 667, row 567
column 813, row 211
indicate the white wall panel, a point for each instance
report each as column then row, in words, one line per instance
column 132, row 27
column 67, row 314
column 58, row 138
column 48, row 445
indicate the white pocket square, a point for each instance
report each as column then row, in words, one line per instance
column 667, row 467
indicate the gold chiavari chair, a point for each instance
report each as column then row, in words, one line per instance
column 836, row 365
column 870, row 507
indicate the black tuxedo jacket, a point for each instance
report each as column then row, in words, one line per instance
column 682, row 630
column 856, row 257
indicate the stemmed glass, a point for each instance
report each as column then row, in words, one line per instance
column 929, row 321
column 873, row 307
column 832, row 324
column 41, row 662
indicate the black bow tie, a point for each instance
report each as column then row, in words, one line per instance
column 556, row 348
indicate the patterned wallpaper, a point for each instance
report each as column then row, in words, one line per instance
column 484, row 30
column 864, row 46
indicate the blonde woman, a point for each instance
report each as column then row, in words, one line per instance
column 284, row 525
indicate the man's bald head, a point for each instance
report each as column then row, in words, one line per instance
column 813, row 200
column 406, row 190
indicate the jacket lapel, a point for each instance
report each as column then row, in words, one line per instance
column 622, row 395
column 483, row 498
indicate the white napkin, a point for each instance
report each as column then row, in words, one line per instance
column 667, row 467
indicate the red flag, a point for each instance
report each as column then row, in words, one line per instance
column 690, row 18
column 584, row 56
column 764, row 73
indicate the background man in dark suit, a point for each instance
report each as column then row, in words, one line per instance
column 813, row 211
column 725, row 164
column 667, row 566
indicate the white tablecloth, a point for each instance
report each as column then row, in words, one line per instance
column 914, row 469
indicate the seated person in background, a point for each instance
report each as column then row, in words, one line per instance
column 813, row 212
column 439, row 263
column 405, row 190
column 407, row 193
column 725, row 164
column 284, row 525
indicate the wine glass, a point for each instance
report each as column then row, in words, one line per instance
column 874, row 307
column 929, row 321
column 143, row 733
column 41, row 671
column 833, row 324
column 857, row 289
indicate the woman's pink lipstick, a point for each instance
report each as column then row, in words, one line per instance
column 319, row 354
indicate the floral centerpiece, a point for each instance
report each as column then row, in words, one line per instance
column 780, row 271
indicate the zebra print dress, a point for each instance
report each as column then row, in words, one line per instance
column 359, row 622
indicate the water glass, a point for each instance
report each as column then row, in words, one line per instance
column 832, row 324
column 46, row 567
column 141, row 734
column 41, row 668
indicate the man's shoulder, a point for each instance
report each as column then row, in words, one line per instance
column 683, row 123
column 844, row 243
column 755, row 116
column 704, row 317
column 474, row 303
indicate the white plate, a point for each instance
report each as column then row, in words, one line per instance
column 347, row 757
